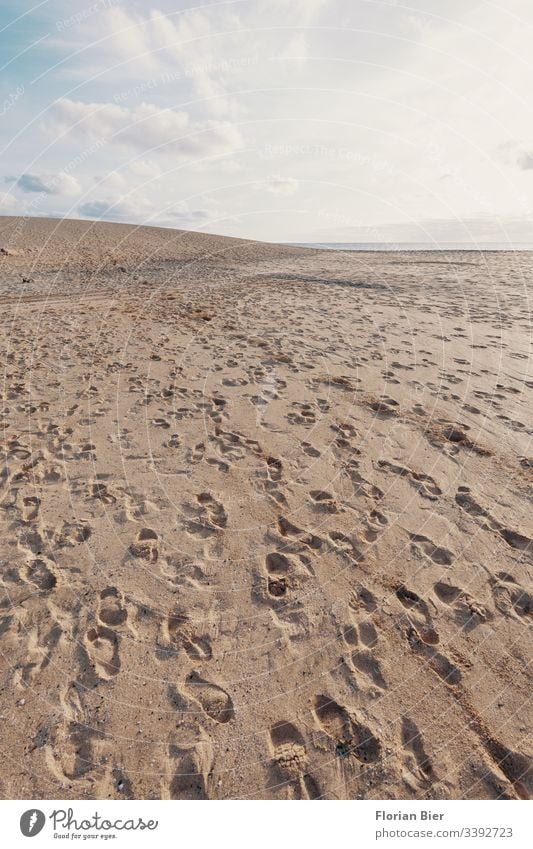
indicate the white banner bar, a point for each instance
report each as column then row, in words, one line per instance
column 244, row 825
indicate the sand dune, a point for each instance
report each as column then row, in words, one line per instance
column 266, row 519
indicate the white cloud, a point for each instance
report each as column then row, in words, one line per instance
column 177, row 44
column 277, row 185
column 7, row 201
column 524, row 160
column 111, row 209
column 144, row 128
column 140, row 210
column 114, row 181
column 48, row 184
column 145, row 168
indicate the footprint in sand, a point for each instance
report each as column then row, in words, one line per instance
column 213, row 700
column 40, row 573
column 347, row 546
column 278, row 567
column 438, row 554
column 99, row 490
column 41, row 647
column 190, row 768
column 283, row 575
column 71, row 753
column 366, row 663
column 438, row 662
column 290, row 759
column 362, row 632
column 208, row 516
column 305, row 416
column 214, row 509
column 196, row 454
column 181, row 632
column 102, row 648
column 375, row 522
column 31, row 542
column 30, row 508
column 424, row 484
column 146, row 545
column 305, row 538
column 288, row 748
column 517, row 767
column 418, row 614
column 274, row 469
column 363, row 599
column 111, row 610
column 350, row 737
column 219, row 464
column 362, row 487
column 364, row 636
column 514, row 539
column 510, row 598
column 323, row 502
column 184, row 572
column 468, row 612
column 72, row 533
column 413, row 743
column 271, row 480
column 385, row 406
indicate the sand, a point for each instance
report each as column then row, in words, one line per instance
column 266, row 519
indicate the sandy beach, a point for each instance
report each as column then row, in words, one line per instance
column 266, row 519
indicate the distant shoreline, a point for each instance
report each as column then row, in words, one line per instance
column 414, row 246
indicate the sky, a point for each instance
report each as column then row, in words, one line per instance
column 281, row 120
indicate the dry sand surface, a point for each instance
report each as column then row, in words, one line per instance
column 266, row 519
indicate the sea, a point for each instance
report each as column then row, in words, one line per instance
column 417, row 246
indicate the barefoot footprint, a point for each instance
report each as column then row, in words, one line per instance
column 111, row 611
column 102, row 648
column 30, row 509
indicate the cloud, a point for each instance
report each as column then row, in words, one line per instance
column 189, row 219
column 524, row 160
column 516, row 153
column 280, row 185
column 143, row 128
column 140, row 210
column 116, row 210
column 30, row 183
column 7, row 201
column 160, row 48
column 48, row 184
column 112, row 182
column 145, row 168
column 209, row 51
